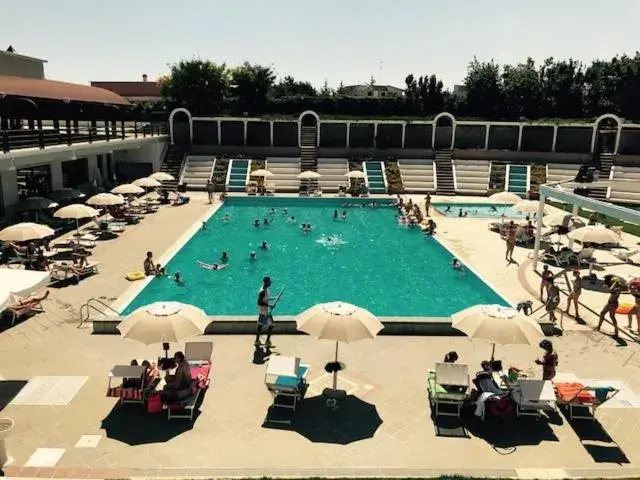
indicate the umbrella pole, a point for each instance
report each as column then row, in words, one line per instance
column 493, row 352
column 78, row 228
column 335, row 372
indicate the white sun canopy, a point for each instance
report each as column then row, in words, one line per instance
column 20, row 282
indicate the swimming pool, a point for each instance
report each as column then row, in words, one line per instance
column 376, row 263
column 478, row 210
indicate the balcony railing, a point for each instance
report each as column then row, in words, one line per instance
column 49, row 135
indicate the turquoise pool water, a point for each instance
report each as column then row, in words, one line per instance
column 478, row 210
column 380, row 265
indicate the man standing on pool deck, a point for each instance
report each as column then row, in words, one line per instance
column 265, row 320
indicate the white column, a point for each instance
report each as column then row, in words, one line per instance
column 9, row 188
column 219, row 132
column 486, row 137
column 453, row 136
column 348, row 129
column 404, row 128
column 618, row 132
column 375, row 133
column 92, row 167
column 594, row 135
column 519, row 136
column 245, row 132
column 271, row 133
column 56, row 174
column 536, row 246
column 555, row 138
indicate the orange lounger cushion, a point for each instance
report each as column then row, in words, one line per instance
column 625, row 308
column 572, row 392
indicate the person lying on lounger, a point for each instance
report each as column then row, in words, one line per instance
column 30, row 301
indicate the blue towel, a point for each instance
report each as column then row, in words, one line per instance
column 292, row 382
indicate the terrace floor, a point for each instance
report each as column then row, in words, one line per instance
column 80, row 433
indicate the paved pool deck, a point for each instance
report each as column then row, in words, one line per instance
column 90, row 436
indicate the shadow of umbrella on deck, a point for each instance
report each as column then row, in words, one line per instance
column 133, row 425
column 355, row 420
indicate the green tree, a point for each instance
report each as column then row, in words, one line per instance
column 251, row 84
column 199, row 85
column 563, row 87
column 522, row 87
column 484, row 92
column 326, row 90
column 289, row 87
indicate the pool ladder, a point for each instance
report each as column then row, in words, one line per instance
column 95, row 305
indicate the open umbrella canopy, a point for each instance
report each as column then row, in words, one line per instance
column 23, row 232
column 355, row 174
column 162, row 177
column 261, row 173
column 164, row 322
column 65, row 195
column 145, row 182
column 127, row 189
column 105, row 199
column 35, row 204
column 505, row 197
column 497, row 324
column 338, row 321
column 308, row 175
column 561, row 220
column 594, row 234
column 76, row 211
column 20, row 282
column 528, row 206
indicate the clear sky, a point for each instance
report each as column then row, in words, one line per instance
column 336, row 40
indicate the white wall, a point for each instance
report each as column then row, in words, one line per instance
column 150, row 152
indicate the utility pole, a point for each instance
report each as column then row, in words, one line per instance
column 380, row 74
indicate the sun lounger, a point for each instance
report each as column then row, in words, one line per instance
column 269, row 188
column 25, row 305
column 624, row 255
column 131, row 389
column 66, row 270
column 532, row 397
column 198, row 354
column 448, row 384
column 575, row 395
column 285, row 380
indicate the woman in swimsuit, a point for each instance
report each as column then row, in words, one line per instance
column 636, row 310
column 544, row 282
column 575, row 294
column 615, row 289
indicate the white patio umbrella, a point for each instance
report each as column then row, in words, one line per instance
column 355, row 174
column 309, row 175
column 127, row 189
column 20, row 282
column 340, row 322
column 261, row 173
column 560, row 220
column 162, row 177
column 505, row 197
column 594, row 234
column 105, row 200
column 161, row 322
column 76, row 211
column 528, row 206
column 497, row 324
column 145, row 182
column 23, row 232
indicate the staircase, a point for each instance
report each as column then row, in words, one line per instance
column 518, row 179
column 444, row 173
column 606, row 162
column 375, row 177
column 172, row 164
column 237, row 176
column 308, row 149
column 197, row 171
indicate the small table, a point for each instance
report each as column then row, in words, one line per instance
column 534, row 396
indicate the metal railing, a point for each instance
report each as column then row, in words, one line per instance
column 23, row 138
column 98, row 306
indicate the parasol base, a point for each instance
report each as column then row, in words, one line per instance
column 333, row 397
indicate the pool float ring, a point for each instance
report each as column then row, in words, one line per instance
column 625, row 308
column 133, row 276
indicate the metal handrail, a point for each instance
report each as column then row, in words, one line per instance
column 87, row 307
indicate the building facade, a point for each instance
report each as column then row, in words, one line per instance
column 136, row 92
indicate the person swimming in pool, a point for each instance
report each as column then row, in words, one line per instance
column 284, row 211
column 252, row 256
column 344, row 215
column 273, row 211
column 266, row 222
column 456, row 265
column 256, row 222
column 224, row 258
column 335, row 215
column 493, row 208
column 448, row 209
column 212, row 266
column 264, row 245
column 179, row 279
column 292, row 219
column 226, row 217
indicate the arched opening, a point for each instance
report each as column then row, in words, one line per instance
column 308, row 129
column 181, row 127
column 444, row 125
column 606, row 133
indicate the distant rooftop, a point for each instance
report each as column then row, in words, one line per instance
column 10, row 52
column 143, row 88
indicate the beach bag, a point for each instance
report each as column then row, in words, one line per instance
column 154, row 404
